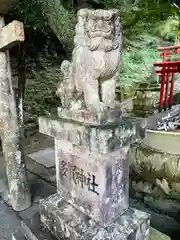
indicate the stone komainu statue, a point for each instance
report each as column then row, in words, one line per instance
column 95, row 62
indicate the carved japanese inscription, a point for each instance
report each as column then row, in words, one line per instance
column 95, row 183
column 78, row 176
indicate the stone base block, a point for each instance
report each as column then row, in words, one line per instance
column 97, row 185
column 66, row 222
column 83, row 115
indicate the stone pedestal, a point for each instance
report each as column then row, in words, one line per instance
column 67, row 222
column 92, row 171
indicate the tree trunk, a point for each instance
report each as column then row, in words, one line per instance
column 61, row 21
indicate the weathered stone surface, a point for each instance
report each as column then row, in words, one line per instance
column 11, row 35
column 90, row 79
column 155, row 178
column 159, row 220
column 146, row 101
column 147, row 161
column 33, row 229
column 102, row 138
column 4, row 191
column 83, row 115
column 6, row 6
column 11, row 141
column 97, row 186
column 141, row 127
column 66, row 222
column 92, row 164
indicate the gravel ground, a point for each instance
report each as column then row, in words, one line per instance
column 9, row 222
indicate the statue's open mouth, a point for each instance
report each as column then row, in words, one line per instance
column 100, row 33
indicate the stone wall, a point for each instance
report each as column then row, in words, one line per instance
column 155, row 178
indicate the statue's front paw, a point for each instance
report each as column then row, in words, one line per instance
column 77, row 105
column 103, row 107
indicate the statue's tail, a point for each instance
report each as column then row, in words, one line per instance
column 65, row 67
column 66, row 85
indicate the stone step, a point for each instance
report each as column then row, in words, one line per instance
column 18, row 236
column 44, row 157
column 33, row 229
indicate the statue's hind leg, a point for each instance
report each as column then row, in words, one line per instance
column 91, row 93
column 108, row 92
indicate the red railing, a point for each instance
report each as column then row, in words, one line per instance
column 167, row 71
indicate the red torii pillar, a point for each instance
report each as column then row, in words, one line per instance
column 167, row 72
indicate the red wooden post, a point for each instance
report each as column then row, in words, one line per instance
column 171, row 91
column 168, row 69
column 167, row 89
column 162, row 78
column 165, row 55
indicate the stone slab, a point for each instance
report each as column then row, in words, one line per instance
column 11, row 35
column 102, row 138
column 66, row 222
column 47, row 174
column 45, row 157
column 97, row 186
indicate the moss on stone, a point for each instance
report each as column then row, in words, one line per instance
column 156, row 235
column 148, row 161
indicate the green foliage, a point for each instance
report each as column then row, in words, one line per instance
column 60, row 20
column 138, row 62
column 136, row 16
column 167, row 29
column 40, row 96
column 41, row 15
column 29, row 11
